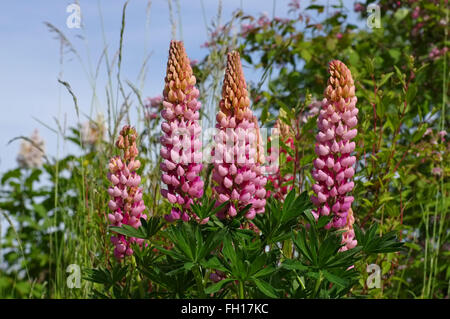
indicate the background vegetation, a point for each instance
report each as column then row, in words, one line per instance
column 54, row 214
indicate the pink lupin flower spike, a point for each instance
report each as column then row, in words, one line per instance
column 181, row 147
column 237, row 155
column 126, row 202
column 348, row 236
column 333, row 168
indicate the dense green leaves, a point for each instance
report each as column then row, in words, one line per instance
column 145, row 231
column 373, row 244
column 56, row 215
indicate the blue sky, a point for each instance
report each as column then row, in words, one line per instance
column 29, row 59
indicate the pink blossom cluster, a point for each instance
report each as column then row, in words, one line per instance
column 237, row 154
column 436, row 171
column 263, row 20
column 214, row 36
column 153, row 106
column 282, row 20
column 312, row 110
column 435, row 53
column 358, row 7
column 181, row 147
column 416, row 13
column 348, row 236
column 126, row 202
column 333, row 168
column 246, row 28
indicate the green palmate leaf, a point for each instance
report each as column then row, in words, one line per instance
column 130, row 231
column 264, row 272
column 294, row 208
column 152, row 226
column 245, row 233
column 323, row 220
column 213, row 263
column 118, row 273
column 212, row 241
column 258, row 263
column 372, row 243
column 228, row 250
column 328, row 249
column 217, row 286
column 265, row 288
column 101, row 276
column 178, row 270
column 310, row 218
column 343, row 259
column 289, row 200
column 174, row 254
column 188, row 265
column 302, row 245
column 145, row 231
column 294, row 265
column 335, row 279
column 313, row 275
column 206, row 208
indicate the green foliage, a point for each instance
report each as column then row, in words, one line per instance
column 55, row 215
column 145, row 231
column 248, row 269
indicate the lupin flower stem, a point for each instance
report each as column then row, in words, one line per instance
column 333, row 168
column 126, row 202
column 181, row 148
column 237, row 155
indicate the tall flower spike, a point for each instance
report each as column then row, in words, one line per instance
column 126, row 202
column 237, row 154
column 333, row 168
column 181, row 147
column 348, row 236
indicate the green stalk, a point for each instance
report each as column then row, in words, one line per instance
column 241, row 290
column 199, row 281
column 426, row 253
column 318, row 283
